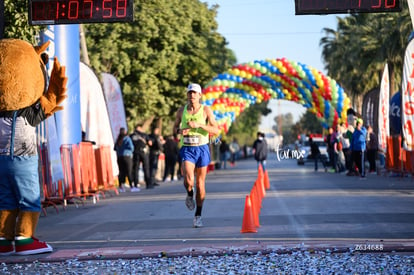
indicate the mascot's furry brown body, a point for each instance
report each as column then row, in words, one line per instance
column 26, row 99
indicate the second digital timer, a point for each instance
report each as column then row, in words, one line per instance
column 79, row 11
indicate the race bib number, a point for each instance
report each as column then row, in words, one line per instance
column 191, row 140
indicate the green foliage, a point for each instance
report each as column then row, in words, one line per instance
column 309, row 124
column 286, row 127
column 356, row 52
column 170, row 44
column 16, row 22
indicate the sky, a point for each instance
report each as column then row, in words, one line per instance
column 269, row 29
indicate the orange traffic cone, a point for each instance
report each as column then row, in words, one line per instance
column 248, row 222
column 256, row 195
column 262, row 188
column 256, row 205
column 266, row 180
column 260, row 172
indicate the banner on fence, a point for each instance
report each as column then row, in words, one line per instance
column 114, row 103
column 94, row 114
column 383, row 110
column 407, row 103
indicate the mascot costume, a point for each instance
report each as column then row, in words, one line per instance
column 26, row 99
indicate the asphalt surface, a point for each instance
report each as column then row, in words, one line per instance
column 302, row 210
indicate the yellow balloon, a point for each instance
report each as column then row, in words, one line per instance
column 319, row 82
column 279, row 64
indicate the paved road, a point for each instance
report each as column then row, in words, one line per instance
column 302, row 208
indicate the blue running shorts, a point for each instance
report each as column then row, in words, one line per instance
column 199, row 155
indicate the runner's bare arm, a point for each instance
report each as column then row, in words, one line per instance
column 176, row 127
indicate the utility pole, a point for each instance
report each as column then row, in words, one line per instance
column 2, row 19
column 84, row 49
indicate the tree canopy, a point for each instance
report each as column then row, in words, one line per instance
column 170, row 44
column 356, row 52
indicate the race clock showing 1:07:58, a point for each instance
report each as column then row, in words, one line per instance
column 53, row 12
column 346, row 6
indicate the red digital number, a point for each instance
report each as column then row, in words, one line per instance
column 390, row 5
column 107, row 8
column 387, row 4
column 45, row 11
column 378, row 5
column 73, row 10
column 87, row 8
column 56, row 16
column 38, row 10
column 121, row 7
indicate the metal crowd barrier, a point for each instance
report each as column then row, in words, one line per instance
column 87, row 173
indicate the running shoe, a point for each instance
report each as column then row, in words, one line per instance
column 197, row 223
column 189, row 202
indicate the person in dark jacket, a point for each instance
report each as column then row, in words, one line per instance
column 316, row 154
column 260, row 150
column 141, row 154
column 372, row 149
column 224, row 153
column 156, row 147
column 124, row 151
column 171, row 157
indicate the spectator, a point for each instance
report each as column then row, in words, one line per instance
column 141, row 155
column 372, row 149
column 224, row 153
column 358, row 147
column 339, row 158
column 234, row 149
column 155, row 149
column 260, row 150
column 339, row 154
column 329, row 147
column 316, row 154
column 171, row 157
column 124, row 150
column 346, row 143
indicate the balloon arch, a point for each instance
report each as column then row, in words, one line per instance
column 231, row 92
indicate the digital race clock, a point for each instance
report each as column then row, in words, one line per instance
column 52, row 12
column 346, row 6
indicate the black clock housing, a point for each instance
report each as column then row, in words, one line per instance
column 346, row 6
column 53, row 12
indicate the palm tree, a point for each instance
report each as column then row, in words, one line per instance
column 356, row 52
